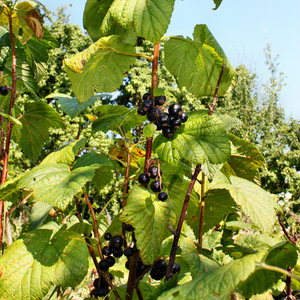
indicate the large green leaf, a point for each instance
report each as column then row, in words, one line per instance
column 94, row 14
column 283, row 255
column 39, row 212
column 198, row 140
column 29, row 268
column 71, row 106
column 37, row 120
column 245, row 159
column 148, row 18
column 55, row 184
column 65, row 154
column 100, row 67
column 150, row 219
column 5, row 45
column 218, row 283
column 114, row 117
column 9, row 191
column 255, row 202
column 218, row 203
column 197, row 64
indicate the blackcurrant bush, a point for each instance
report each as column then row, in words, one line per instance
column 164, row 120
column 147, row 105
column 163, row 196
column 107, row 250
column 146, row 96
column 183, row 117
column 153, row 114
column 118, row 252
column 107, row 236
column 168, row 132
column 144, row 179
column 175, row 110
column 86, row 216
column 141, row 112
column 176, row 268
column 175, row 123
column 153, row 172
column 160, row 100
column 160, row 266
column 116, row 242
column 128, row 252
column 3, row 90
column 111, row 260
column 103, row 265
column 155, row 275
column 129, row 227
column 156, row 186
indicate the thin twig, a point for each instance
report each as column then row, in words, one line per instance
column 139, row 292
column 133, row 263
column 289, row 282
column 182, row 216
column 201, row 222
column 292, row 239
column 212, row 107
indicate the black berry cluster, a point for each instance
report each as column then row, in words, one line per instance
column 156, row 185
column 160, row 267
column 167, row 122
column 3, row 90
column 101, row 287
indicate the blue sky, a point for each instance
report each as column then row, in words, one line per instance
column 243, row 29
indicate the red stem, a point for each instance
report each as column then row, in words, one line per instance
column 182, row 216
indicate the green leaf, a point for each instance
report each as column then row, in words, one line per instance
column 149, row 130
column 149, row 19
column 23, row 70
column 5, row 45
column 29, row 268
column 55, row 184
column 12, row 119
column 245, row 160
column 218, row 283
column 71, row 106
column 37, row 120
column 198, row 140
column 283, row 255
column 197, row 64
column 150, row 219
column 255, row 202
column 217, row 3
column 113, row 117
column 218, row 203
column 65, row 154
column 39, row 212
column 100, row 67
column 9, row 191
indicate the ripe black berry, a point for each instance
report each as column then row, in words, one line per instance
column 153, row 114
column 116, row 241
column 168, row 132
column 128, row 252
column 147, row 105
column 140, row 270
column 164, row 120
column 99, row 292
column 86, row 216
column 183, row 117
column 129, row 227
column 141, row 112
column 103, row 265
column 111, row 260
column 3, row 90
column 176, row 268
column 97, row 283
column 98, row 210
column 175, row 123
column 160, row 266
column 118, row 252
column 144, row 179
column 91, row 199
column 153, row 172
column 175, row 110
column 158, row 126
column 156, row 186
column 163, row 196
column 107, row 236
column 155, row 275
column 146, row 96
column 107, row 251
column 127, row 265
column 160, row 100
